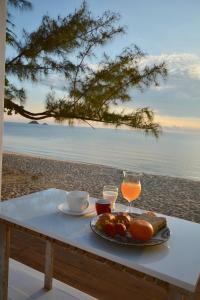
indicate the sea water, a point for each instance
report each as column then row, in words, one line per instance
column 175, row 153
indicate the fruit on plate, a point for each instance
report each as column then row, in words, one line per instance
column 141, row 230
column 104, row 219
column 107, row 217
column 110, row 229
column 123, row 218
column 120, row 229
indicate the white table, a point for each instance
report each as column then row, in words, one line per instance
column 176, row 262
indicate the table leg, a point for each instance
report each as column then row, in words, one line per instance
column 4, row 260
column 48, row 266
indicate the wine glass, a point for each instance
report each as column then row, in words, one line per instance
column 110, row 192
column 131, row 186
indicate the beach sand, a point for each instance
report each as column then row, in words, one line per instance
column 23, row 174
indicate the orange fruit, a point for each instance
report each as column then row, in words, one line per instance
column 141, row 230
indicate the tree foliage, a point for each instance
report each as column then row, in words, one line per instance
column 65, row 46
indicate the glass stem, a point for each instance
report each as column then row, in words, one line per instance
column 130, row 206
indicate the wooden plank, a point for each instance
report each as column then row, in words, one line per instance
column 174, row 293
column 83, row 271
column 4, row 260
column 48, row 268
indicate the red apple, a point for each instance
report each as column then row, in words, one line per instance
column 123, row 218
column 110, row 229
column 120, row 229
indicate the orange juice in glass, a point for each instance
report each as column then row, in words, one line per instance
column 131, row 186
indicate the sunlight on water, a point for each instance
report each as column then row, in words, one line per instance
column 175, row 153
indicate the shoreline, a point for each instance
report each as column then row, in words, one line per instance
column 54, row 159
column 51, row 158
column 24, row 174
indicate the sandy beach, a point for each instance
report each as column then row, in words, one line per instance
column 23, row 174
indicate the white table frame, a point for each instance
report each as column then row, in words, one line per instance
column 5, row 226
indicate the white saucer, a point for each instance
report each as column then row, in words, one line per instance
column 63, row 207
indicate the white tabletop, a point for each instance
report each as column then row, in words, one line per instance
column 176, row 262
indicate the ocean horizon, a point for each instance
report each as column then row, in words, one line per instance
column 174, row 153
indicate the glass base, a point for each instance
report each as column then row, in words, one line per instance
column 112, row 207
column 129, row 207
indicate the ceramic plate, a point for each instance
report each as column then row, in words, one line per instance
column 162, row 236
column 63, row 207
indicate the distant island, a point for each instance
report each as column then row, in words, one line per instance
column 36, row 122
column 33, row 122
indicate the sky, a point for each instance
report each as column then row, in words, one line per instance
column 165, row 30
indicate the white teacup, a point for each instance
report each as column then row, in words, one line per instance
column 78, row 201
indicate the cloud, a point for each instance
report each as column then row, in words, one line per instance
column 162, row 87
column 168, row 121
column 55, row 81
column 179, row 95
column 176, row 62
column 180, row 64
column 165, row 120
column 194, row 71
